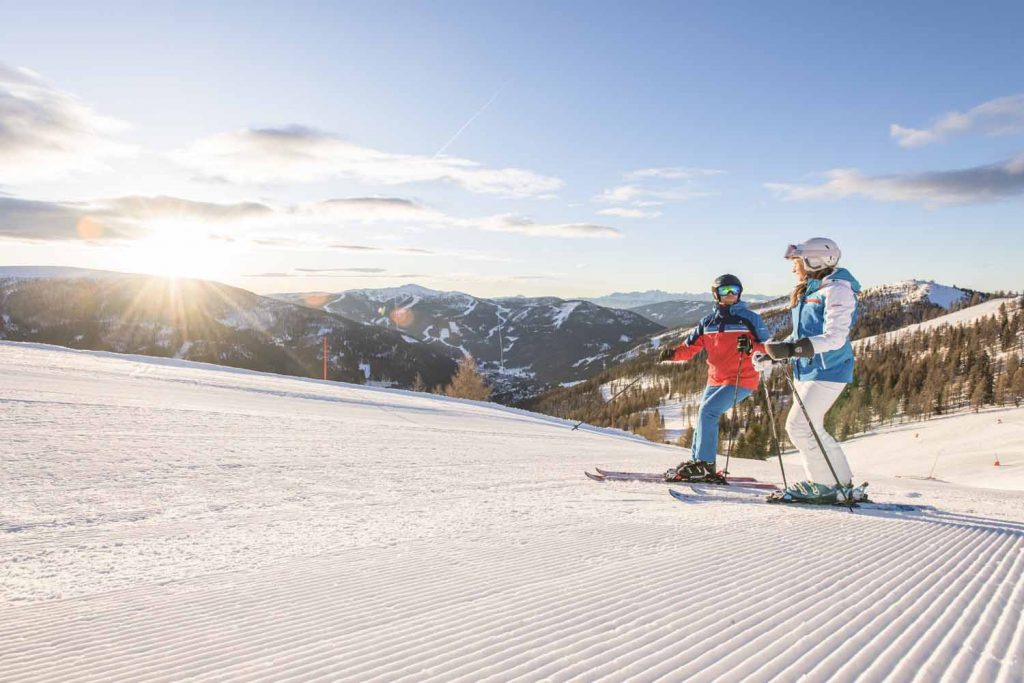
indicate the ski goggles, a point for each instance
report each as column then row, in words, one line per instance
column 726, row 290
column 793, row 251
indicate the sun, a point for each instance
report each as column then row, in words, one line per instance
column 182, row 256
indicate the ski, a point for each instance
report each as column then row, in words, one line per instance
column 744, row 483
column 653, row 476
column 704, row 495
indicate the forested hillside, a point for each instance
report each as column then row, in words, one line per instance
column 899, row 377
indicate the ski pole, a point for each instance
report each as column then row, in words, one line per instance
column 743, row 346
column 817, row 439
column 577, row 425
column 775, row 433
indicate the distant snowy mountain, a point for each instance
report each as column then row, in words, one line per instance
column 204, row 321
column 913, row 291
column 675, row 313
column 386, row 294
column 634, row 300
column 885, row 307
column 523, row 345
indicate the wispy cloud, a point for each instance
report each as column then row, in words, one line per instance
column 386, row 250
column 341, row 270
column 370, row 210
column 525, row 226
column 141, row 209
column 339, row 273
column 47, row 133
column 629, row 213
column 636, row 193
column 672, row 173
column 137, row 217
column 1001, row 116
column 300, row 154
column 648, row 187
column 23, row 219
column 978, row 184
column 120, row 218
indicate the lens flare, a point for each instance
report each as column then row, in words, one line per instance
column 316, row 299
column 402, row 317
column 88, row 229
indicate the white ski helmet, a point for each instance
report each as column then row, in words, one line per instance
column 816, row 253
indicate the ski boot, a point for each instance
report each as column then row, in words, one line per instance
column 810, row 493
column 695, row 470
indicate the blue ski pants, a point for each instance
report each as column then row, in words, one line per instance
column 716, row 400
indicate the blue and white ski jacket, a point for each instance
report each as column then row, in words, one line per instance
column 825, row 315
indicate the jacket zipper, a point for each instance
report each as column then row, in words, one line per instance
column 796, row 332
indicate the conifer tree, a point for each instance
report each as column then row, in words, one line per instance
column 468, row 382
column 686, row 438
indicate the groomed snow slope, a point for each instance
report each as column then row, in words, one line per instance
column 165, row 520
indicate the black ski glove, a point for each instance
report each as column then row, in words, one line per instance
column 666, row 354
column 801, row 348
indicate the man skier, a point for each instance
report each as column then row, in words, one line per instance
column 729, row 334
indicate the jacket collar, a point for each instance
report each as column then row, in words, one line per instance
column 727, row 310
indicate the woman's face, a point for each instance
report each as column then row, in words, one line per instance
column 799, row 270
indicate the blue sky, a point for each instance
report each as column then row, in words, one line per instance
column 570, row 149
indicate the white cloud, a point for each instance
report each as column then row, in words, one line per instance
column 46, row 133
column 159, row 208
column 137, row 217
column 648, row 187
column 300, row 154
column 525, row 226
column 1001, row 116
column 978, row 184
column 672, row 173
column 637, row 194
column 387, row 250
column 629, row 213
column 23, row 219
column 341, row 270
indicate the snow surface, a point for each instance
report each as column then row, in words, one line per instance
column 168, row 520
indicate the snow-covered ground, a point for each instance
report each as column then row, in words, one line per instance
column 166, row 520
column 672, row 411
column 610, row 389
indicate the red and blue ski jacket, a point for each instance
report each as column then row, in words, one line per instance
column 718, row 334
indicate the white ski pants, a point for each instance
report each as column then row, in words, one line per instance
column 818, row 397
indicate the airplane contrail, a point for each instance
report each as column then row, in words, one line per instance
column 471, row 119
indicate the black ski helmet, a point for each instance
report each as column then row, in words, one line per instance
column 722, row 280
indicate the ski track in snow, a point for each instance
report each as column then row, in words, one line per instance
column 165, row 521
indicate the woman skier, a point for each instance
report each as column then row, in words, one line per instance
column 824, row 308
column 729, row 334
